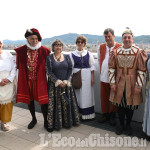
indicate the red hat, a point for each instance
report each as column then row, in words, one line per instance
column 33, row 31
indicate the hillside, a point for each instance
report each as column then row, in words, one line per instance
column 70, row 39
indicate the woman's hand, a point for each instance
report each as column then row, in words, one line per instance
column 4, row 82
column 92, row 78
column 62, row 85
column 92, row 81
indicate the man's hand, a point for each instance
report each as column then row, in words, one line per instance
column 113, row 88
column 137, row 90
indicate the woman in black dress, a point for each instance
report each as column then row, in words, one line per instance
column 62, row 108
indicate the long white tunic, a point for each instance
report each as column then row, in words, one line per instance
column 7, row 70
column 85, row 95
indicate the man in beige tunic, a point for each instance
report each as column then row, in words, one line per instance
column 127, row 66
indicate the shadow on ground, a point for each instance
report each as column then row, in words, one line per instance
column 137, row 126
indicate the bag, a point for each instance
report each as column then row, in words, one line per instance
column 76, row 80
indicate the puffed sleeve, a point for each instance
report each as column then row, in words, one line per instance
column 49, row 71
column 141, row 68
column 71, row 60
column 92, row 62
column 112, row 67
column 69, row 73
column 13, row 68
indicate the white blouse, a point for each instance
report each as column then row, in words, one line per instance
column 8, row 63
column 83, row 53
column 104, row 70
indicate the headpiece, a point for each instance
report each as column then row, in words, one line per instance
column 33, row 31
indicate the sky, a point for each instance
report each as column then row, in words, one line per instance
column 57, row 17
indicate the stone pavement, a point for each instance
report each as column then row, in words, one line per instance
column 20, row 138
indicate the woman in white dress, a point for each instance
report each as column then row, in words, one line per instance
column 83, row 60
column 7, row 86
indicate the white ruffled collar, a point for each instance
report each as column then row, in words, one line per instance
column 33, row 47
column 80, row 52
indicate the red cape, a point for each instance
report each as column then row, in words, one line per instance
column 23, row 95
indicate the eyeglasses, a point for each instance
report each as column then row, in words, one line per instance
column 58, row 45
column 78, row 42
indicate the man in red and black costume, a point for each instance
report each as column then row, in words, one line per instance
column 32, row 82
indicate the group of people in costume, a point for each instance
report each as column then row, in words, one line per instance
column 123, row 69
column 46, row 77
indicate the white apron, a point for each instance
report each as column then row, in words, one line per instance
column 85, row 95
column 7, row 92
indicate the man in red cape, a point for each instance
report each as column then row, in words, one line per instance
column 32, row 82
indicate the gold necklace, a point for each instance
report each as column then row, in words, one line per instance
column 57, row 58
column 30, row 66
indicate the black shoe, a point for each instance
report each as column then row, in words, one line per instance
column 103, row 118
column 32, row 124
column 84, row 120
column 76, row 124
column 48, row 129
column 119, row 130
column 112, row 120
column 87, row 120
column 128, row 130
column 147, row 138
column 67, row 127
